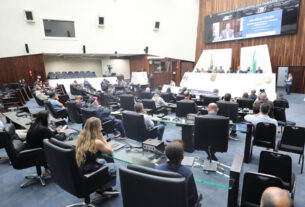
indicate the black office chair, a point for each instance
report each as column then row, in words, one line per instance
column 23, row 156
column 56, row 114
column 135, row 127
column 280, row 116
column 145, row 95
column 184, row 108
column 179, row 97
column 73, row 112
column 160, row 184
column 245, row 103
column 228, row 109
column 293, row 140
column 254, row 185
column 209, row 99
column 211, row 134
column 281, row 103
column 279, row 165
column 127, row 102
column 264, row 136
column 65, row 171
column 87, row 113
column 150, row 104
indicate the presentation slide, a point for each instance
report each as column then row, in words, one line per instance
column 262, row 24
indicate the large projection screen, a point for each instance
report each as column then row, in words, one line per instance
column 276, row 17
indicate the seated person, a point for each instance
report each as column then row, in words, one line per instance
column 215, row 92
column 238, row 70
column 39, row 94
column 149, row 124
column 172, row 83
column 182, row 91
column 262, row 98
column 262, row 116
column 275, row 197
column 172, row 97
column 160, row 103
column 221, row 70
column 90, row 144
column 57, row 106
column 2, row 121
column 175, row 153
column 46, row 85
column 253, row 94
column 259, row 70
column 187, row 98
column 39, row 130
column 86, row 83
column 104, row 85
column 248, row 70
column 111, row 97
column 245, row 95
column 104, row 114
column 280, row 97
column 79, row 103
column 74, row 83
column 83, row 92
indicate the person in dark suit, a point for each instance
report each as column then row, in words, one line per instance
column 227, row 33
column 281, row 98
column 39, row 130
column 104, row 114
column 174, row 153
column 259, row 70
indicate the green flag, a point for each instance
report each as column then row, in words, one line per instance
column 254, row 63
column 211, row 62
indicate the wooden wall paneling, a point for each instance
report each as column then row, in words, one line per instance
column 186, row 67
column 137, row 63
column 298, row 74
column 13, row 69
column 285, row 50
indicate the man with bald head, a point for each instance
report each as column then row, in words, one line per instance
column 275, row 197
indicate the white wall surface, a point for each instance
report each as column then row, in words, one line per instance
column 121, row 66
column 128, row 27
column 61, row 64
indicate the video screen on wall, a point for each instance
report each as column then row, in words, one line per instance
column 277, row 17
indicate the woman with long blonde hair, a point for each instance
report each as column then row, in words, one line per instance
column 90, row 144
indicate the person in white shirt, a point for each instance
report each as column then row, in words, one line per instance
column 2, row 121
column 149, row 124
column 40, row 95
column 262, row 116
column 172, row 83
column 159, row 101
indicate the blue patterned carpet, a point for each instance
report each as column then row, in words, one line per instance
column 52, row 195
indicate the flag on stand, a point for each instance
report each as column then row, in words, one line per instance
column 254, row 63
column 211, row 62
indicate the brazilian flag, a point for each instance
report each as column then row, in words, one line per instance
column 254, row 63
column 211, row 62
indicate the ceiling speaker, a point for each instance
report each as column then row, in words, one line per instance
column 29, row 16
column 157, row 25
column 27, row 48
column 101, row 21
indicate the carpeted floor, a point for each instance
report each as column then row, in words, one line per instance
column 52, row 195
